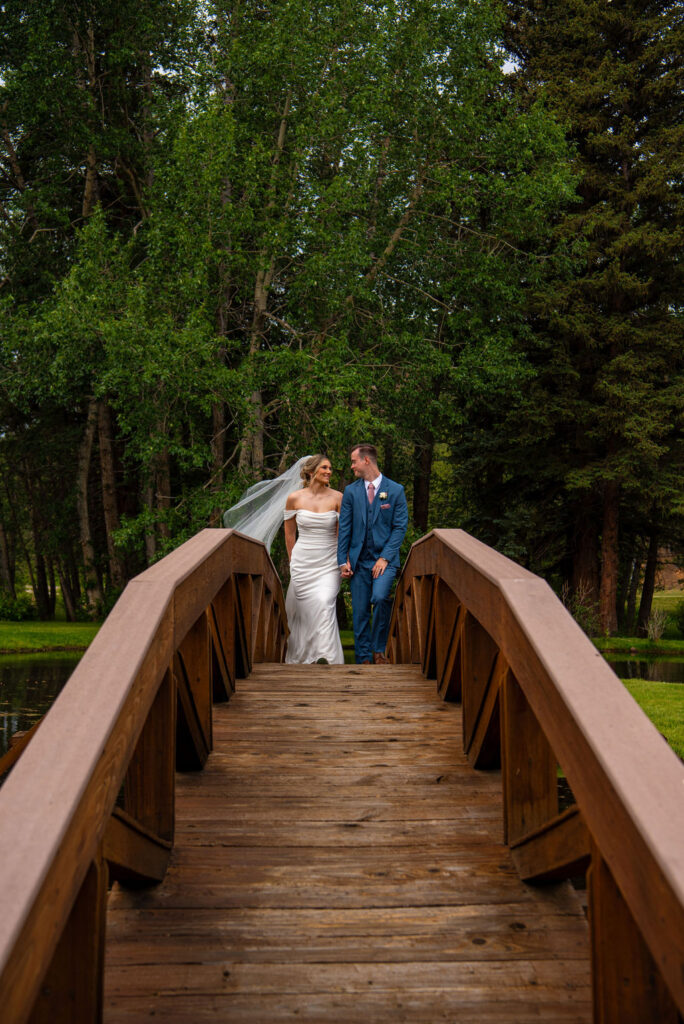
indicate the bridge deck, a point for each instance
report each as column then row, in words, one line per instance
column 338, row 860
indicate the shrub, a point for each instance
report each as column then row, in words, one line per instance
column 678, row 617
column 656, row 623
column 582, row 608
column 17, row 609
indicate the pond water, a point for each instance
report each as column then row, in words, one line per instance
column 661, row 670
column 29, row 684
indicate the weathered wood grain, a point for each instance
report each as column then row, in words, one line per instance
column 338, row 858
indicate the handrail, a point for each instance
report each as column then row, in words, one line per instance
column 138, row 703
column 536, row 693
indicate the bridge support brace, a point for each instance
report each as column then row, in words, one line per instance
column 73, row 986
column 528, row 765
column 628, row 987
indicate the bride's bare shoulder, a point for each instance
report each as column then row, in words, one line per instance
column 294, row 499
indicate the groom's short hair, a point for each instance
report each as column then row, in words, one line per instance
column 365, row 449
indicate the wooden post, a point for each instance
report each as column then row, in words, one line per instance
column 195, row 653
column 478, row 657
column 529, row 768
column 72, row 988
column 149, row 786
column 192, row 667
column 627, row 986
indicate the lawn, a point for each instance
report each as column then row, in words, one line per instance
column 667, row 599
column 638, row 645
column 18, row 637
column 664, row 705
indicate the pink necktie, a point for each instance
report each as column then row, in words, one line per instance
column 371, row 493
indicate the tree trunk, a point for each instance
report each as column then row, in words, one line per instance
column 610, row 560
column 649, row 581
column 67, row 593
column 52, row 587
column 421, row 484
column 164, row 491
column 252, row 450
column 632, row 590
column 94, row 597
column 6, row 564
column 150, row 538
column 41, row 591
column 585, row 571
column 218, row 456
column 110, row 508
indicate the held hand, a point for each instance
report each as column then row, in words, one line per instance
column 346, row 570
column 379, row 567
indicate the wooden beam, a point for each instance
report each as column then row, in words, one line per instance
column 559, row 849
column 529, row 768
column 149, row 785
column 478, row 659
column 222, row 683
column 72, row 988
column 192, row 744
column 136, row 856
column 243, row 589
column 627, row 986
column 484, row 749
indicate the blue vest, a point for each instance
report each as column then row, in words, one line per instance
column 367, row 549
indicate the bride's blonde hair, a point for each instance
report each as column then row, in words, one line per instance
column 308, row 470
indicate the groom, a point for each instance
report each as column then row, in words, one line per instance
column 373, row 521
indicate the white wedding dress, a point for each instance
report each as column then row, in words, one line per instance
column 312, row 594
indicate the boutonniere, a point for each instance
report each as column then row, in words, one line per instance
column 383, row 495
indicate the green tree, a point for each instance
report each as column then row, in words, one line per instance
column 603, row 420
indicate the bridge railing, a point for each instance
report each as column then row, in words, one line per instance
column 92, row 797
column 537, row 695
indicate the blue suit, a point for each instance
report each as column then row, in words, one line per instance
column 366, row 533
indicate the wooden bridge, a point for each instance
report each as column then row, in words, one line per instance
column 364, row 843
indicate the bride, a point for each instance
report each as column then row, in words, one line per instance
column 312, row 512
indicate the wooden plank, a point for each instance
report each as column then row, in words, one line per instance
column 319, row 871
column 627, row 986
column 257, row 935
column 484, row 748
column 478, row 662
column 222, row 677
column 559, row 849
column 447, row 611
column 223, row 614
column 149, row 785
column 516, row 980
column 135, row 855
column 529, row 767
column 194, row 654
column 192, row 744
column 72, row 989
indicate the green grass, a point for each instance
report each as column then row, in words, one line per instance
column 664, row 705
column 667, row 599
column 18, row 637
column 627, row 644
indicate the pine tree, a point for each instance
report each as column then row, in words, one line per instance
column 609, row 336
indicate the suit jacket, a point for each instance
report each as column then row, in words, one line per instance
column 389, row 519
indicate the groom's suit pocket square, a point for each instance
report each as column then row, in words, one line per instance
column 386, row 506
